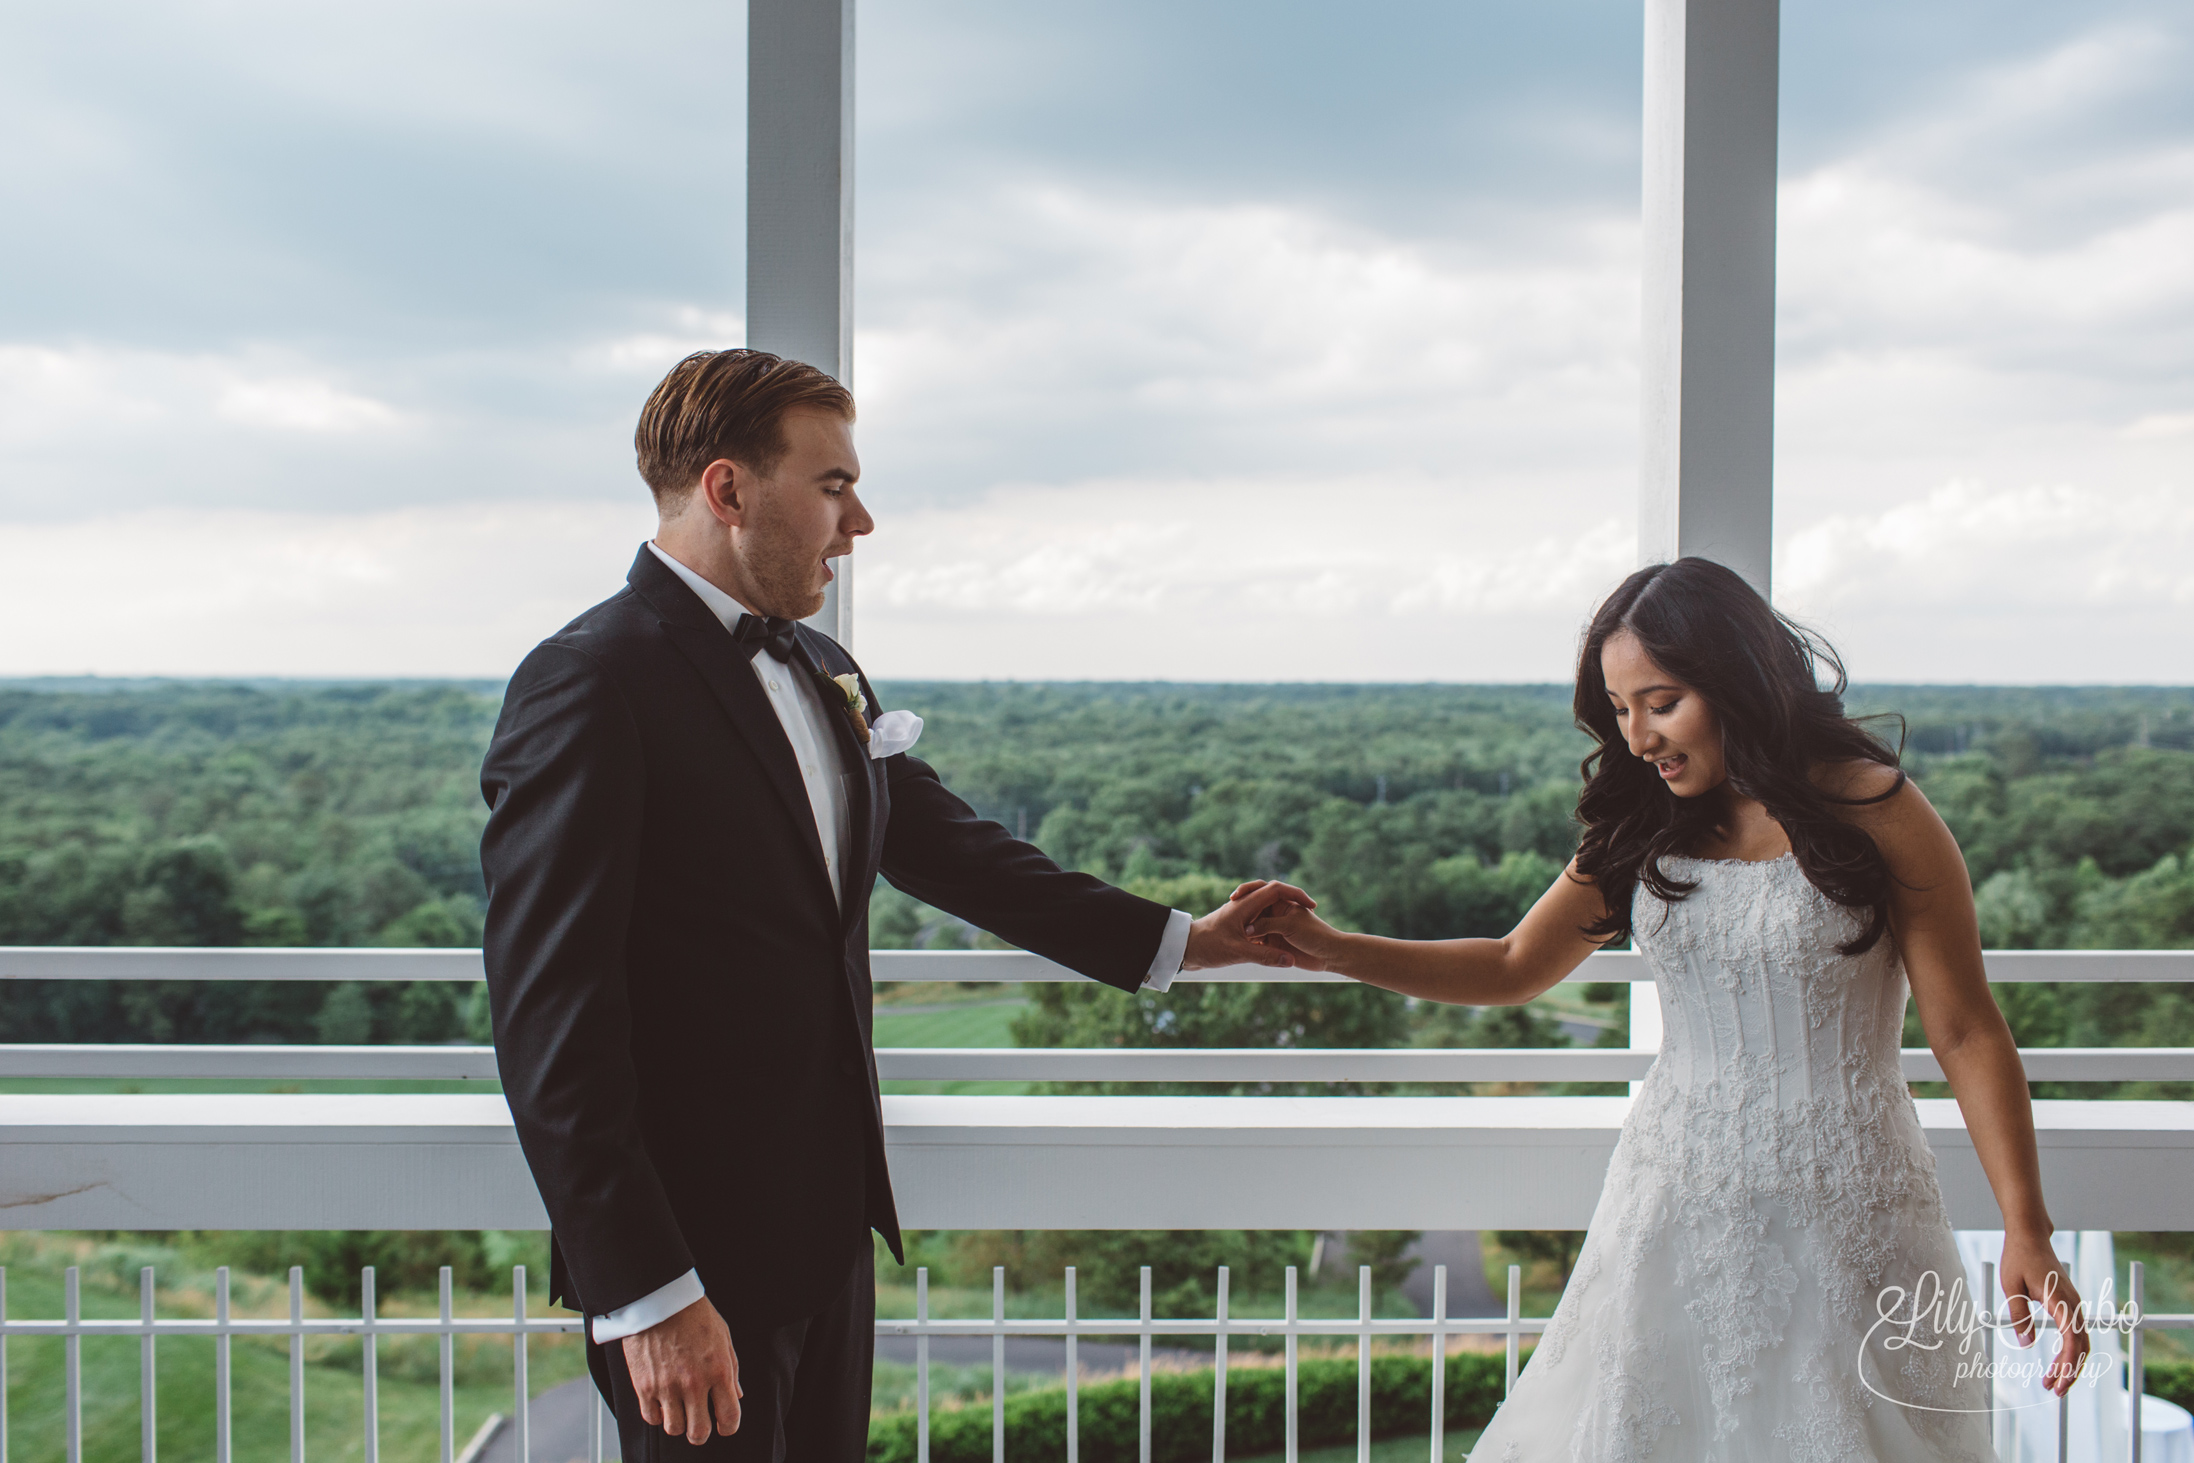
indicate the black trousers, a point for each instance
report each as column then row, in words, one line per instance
column 806, row 1386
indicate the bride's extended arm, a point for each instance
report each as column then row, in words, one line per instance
column 1932, row 917
column 1543, row 948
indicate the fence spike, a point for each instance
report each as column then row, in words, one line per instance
column 2135, row 1382
column 223, row 1438
column 1515, row 1314
column 73, row 1365
column 921, row 1364
column 449, row 1370
column 1439, row 1362
column 1142, row 1431
column 148, row 1421
column 1074, row 1379
column 521, row 1412
column 1363, row 1364
column 1290, row 1387
column 1219, row 1373
column 297, row 1364
column 369, row 1309
column 997, row 1364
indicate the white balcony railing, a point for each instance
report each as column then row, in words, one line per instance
column 451, row 1161
column 223, row 1327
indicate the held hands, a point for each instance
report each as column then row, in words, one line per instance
column 1284, row 922
column 686, row 1374
column 2034, row 1279
column 1226, row 936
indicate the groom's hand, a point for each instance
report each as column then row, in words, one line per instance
column 686, row 1374
column 1223, row 936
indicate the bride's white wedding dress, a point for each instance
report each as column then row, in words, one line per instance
column 1770, row 1180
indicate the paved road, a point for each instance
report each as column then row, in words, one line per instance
column 1467, row 1291
column 558, row 1419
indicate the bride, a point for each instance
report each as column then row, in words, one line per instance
column 1771, row 1195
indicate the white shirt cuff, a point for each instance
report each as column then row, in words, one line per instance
column 1172, row 950
column 652, row 1309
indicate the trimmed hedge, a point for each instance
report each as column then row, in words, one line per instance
column 2171, row 1380
column 1180, row 1412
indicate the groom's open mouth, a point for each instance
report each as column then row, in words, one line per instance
column 1671, row 768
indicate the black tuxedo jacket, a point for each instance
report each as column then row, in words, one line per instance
column 681, row 1007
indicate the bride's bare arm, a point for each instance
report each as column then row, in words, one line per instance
column 1932, row 918
column 1542, row 949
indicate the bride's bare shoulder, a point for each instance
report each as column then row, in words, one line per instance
column 1891, row 808
column 1867, row 793
column 1855, row 778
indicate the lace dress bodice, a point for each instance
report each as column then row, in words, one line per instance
column 1756, row 999
column 1771, row 1178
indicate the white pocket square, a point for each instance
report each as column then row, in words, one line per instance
column 893, row 732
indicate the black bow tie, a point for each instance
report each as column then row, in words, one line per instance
column 773, row 635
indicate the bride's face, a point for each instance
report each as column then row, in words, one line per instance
column 1664, row 721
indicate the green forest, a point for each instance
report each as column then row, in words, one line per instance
column 298, row 814
column 185, row 813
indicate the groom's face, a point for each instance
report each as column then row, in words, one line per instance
column 802, row 514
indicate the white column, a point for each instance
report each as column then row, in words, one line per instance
column 800, row 204
column 1706, row 476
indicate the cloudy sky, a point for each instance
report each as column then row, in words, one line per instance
column 1196, row 340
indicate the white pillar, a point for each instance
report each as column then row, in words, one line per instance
column 1706, row 482
column 800, row 204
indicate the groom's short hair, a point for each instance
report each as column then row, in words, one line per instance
column 726, row 404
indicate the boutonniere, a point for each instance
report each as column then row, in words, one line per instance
column 848, row 687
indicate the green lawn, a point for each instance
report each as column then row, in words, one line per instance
column 986, row 1023
column 2168, row 1261
column 334, row 1387
column 1457, row 1446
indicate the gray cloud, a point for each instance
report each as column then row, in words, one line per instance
column 399, row 277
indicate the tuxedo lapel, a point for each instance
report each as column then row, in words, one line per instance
column 825, row 654
column 724, row 665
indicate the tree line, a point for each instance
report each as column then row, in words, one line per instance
column 192, row 813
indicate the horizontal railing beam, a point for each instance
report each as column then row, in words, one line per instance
column 153, row 962
column 271, row 1063
column 1039, row 1064
column 452, row 1161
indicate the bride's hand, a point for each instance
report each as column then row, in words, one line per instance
column 2034, row 1280
column 1288, row 925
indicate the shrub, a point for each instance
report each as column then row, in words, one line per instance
column 1180, row 1407
column 2171, row 1380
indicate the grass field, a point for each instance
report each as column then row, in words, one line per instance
column 949, row 1016
column 1457, row 1446
column 334, row 1386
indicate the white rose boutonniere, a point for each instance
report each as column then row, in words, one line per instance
column 894, row 731
column 848, row 687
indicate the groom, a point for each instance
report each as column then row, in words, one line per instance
column 690, row 805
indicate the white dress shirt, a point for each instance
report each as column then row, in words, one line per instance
column 800, row 710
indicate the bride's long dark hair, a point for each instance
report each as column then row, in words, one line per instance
column 1761, row 672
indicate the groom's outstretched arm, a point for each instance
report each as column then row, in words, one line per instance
column 564, row 779
column 939, row 850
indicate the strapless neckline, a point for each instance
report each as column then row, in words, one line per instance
column 1686, row 858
